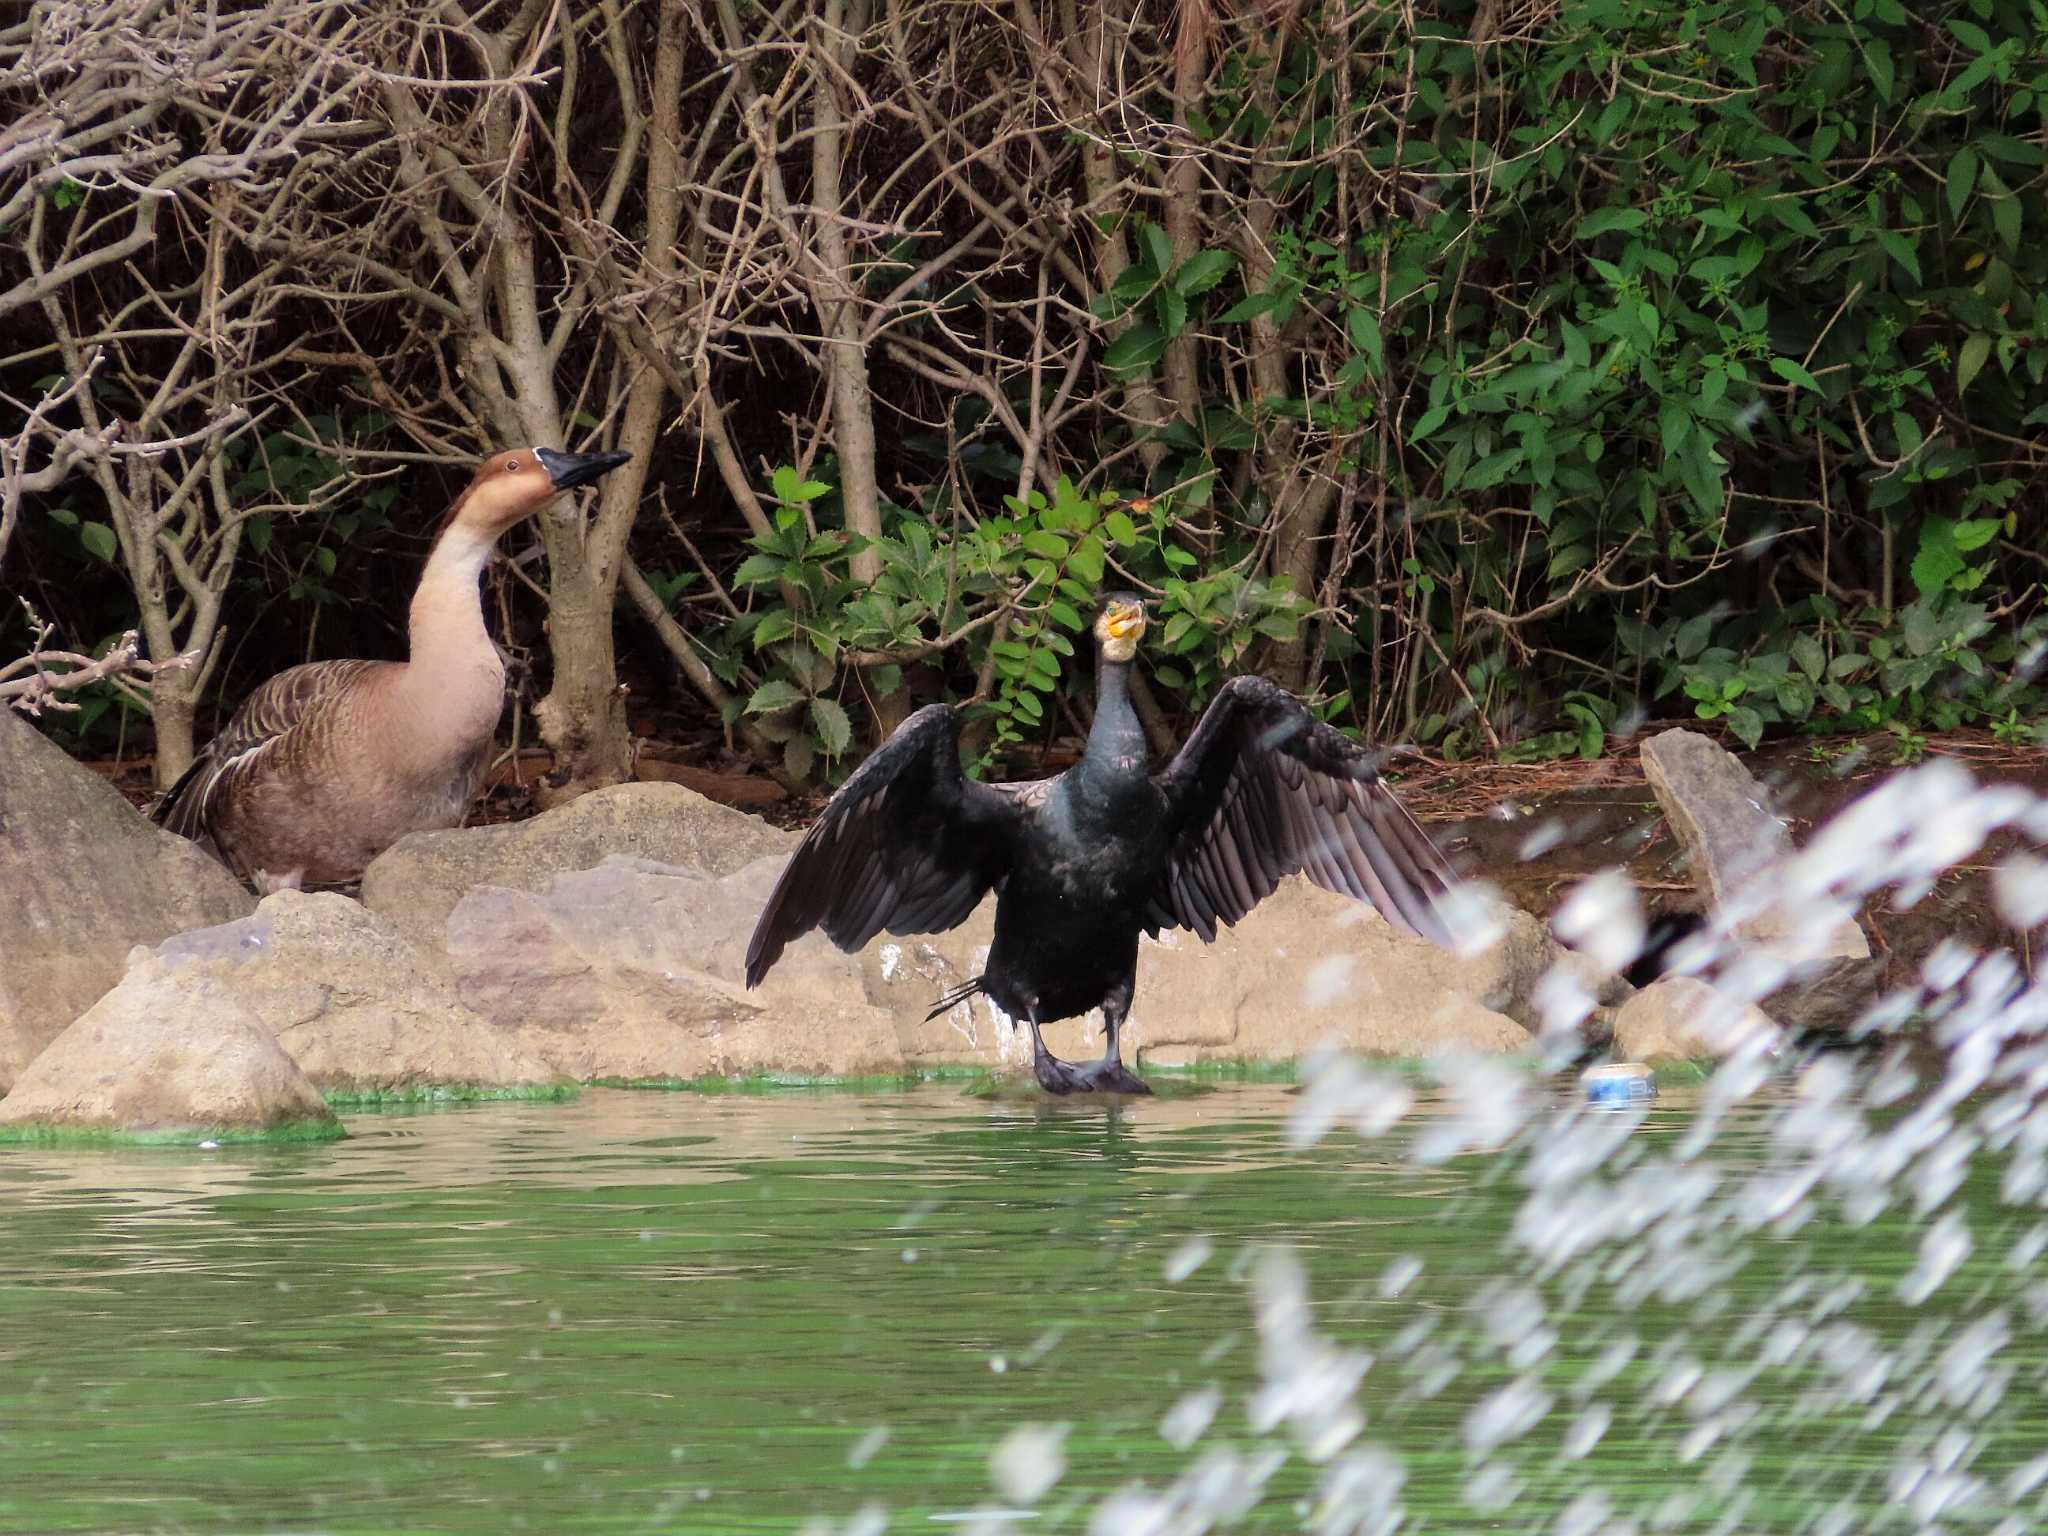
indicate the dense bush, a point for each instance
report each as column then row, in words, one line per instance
column 1493, row 376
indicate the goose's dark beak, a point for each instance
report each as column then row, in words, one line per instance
column 569, row 470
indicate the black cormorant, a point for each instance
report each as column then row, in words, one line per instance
column 1084, row 862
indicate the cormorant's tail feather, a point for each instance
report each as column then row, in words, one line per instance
column 959, row 994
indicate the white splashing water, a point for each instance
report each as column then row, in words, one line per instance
column 1671, row 1292
column 1029, row 1462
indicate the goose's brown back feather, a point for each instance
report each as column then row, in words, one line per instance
column 281, row 726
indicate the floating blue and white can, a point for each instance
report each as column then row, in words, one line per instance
column 1620, row 1082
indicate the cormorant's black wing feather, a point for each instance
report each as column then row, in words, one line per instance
column 909, row 843
column 1263, row 789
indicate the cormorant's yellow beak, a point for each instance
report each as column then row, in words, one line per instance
column 1124, row 623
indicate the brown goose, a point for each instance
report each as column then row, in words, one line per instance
column 327, row 765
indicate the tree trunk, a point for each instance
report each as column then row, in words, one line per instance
column 839, row 312
column 172, row 708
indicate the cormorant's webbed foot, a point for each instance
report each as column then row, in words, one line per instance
column 1105, row 1076
column 1109, row 1075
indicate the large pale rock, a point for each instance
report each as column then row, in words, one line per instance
column 417, row 881
column 1718, row 812
column 362, row 1012
column 84, row 878
column 636, row 970
column 602, row 978
column 168, row 1054
column 1681, row 1018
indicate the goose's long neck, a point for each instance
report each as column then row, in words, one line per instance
column 452, row 688
column 447, row 627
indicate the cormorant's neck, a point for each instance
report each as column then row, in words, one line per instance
column 1117, row 737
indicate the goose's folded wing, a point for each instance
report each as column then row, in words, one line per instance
column 284, row 704
column 909, row 844
column 1262, row 790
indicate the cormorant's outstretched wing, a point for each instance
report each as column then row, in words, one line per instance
column 191, row 806
column 909, row 843
column 1263, row 789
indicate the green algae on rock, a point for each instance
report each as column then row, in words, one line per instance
column 165, row 1058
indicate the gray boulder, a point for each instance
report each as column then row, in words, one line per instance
column 363, row 1013
column 417, row 882
column 1681, row 1018
column 633, row 969
column 1732, row 844
column 166, row 1055
column 84, row 878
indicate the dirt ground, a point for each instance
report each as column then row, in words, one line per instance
column 1537, row 829
column 1534, row 829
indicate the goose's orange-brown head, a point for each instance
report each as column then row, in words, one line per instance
column 510, row 487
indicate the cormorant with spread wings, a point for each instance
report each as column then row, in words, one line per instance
column 1084, row 862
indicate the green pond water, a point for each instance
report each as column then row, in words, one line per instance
column 650, row 1312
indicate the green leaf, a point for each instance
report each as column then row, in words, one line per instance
column 1920, row 628
column 784, row 482
column 1747, row 724
column 1086, row 559
column 1158, row 246
column 99, row 540
column 1976, row 532
column 1429, row 421
column 1601, row 220
column 1962, row 178
column 1693, row 635
column 1365, row 335
column 1970, row 35
column 1203, row 271
column 1249, row 308
column 324, row 558
column 1050, row 545
column 1808, row 655
column 758, row 571
column 1908, row 433
column 772, row 696
column 1935, row 566
column 1877, row 54
column 1970, row 359
column 1795, row 373
column 1795, row 697
column 1132, row 286
column 835, row 731
column 799, row 757
column 1067, row 614
column 1139, row 347
column 1900, row 249
column 1121, row 528
column 776, row 626
column 1577, row 350
column 1171, row 305
column 1787, row 211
